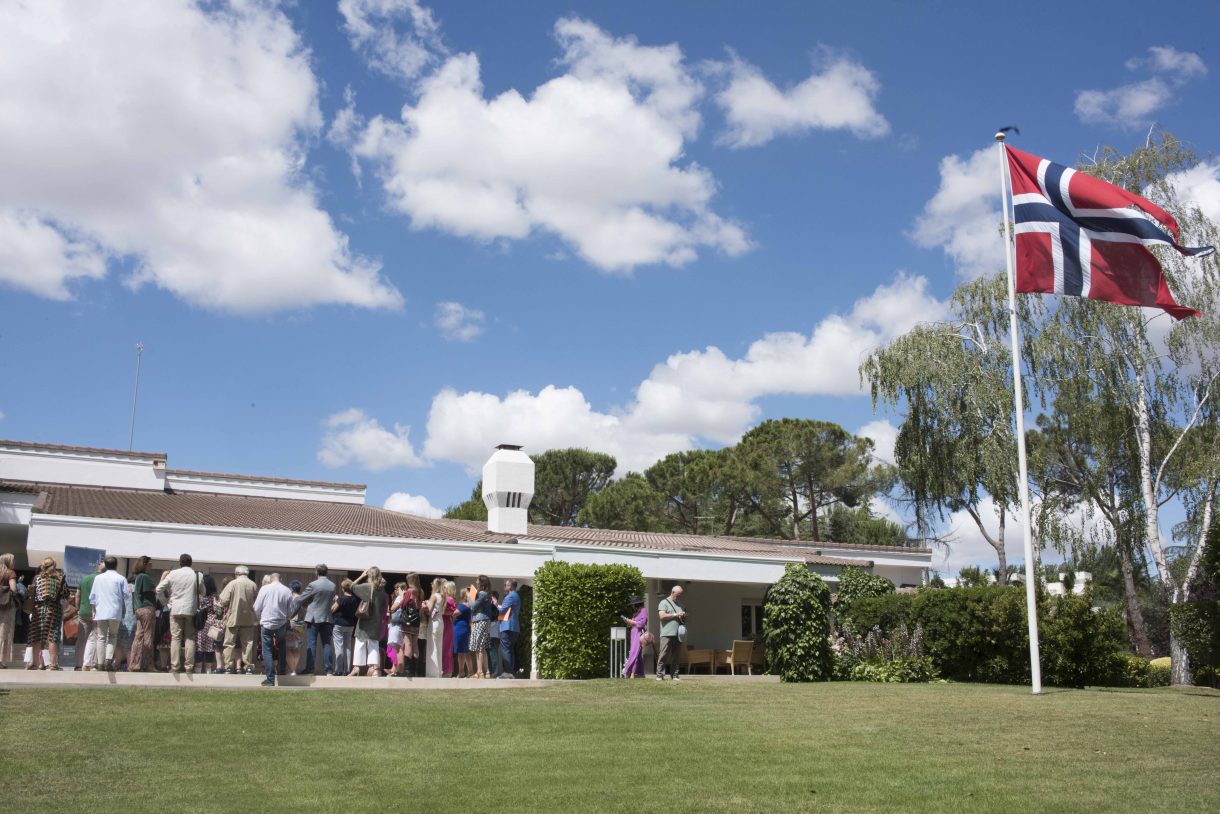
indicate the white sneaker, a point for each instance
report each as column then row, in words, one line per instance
column 660, row 678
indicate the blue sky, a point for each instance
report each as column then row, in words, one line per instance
column 637, row 227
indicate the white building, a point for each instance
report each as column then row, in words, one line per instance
column 131, row 504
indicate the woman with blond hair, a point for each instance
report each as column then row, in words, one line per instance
column 49, row 592
column 367, row 652
column 436, row 628
column 8, row 610
column 450, row 612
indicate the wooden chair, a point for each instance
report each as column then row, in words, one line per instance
column 742, row 655
column 698, row 657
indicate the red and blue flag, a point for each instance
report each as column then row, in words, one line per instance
column 1079, row 236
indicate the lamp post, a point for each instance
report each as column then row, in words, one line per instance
column 135, row 396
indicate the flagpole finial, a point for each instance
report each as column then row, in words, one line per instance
column 1000, row 136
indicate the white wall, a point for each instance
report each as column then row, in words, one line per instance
column 713, row 609
column 263, row 488
column 83, row 468
column 282, row 551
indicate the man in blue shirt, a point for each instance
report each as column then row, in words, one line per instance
column 510, row 628
column 106, row 598
column 274, row 608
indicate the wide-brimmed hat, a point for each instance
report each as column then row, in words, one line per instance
column 636, row 600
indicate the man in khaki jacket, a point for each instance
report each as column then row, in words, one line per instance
column 180, row 590
column 237, row 600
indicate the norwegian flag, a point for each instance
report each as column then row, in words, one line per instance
column 1079, row 236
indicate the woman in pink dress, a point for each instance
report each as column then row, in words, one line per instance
column 450, row 610
column 636, row 626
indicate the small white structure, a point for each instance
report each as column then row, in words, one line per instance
column 508, row 488
column 131, row 504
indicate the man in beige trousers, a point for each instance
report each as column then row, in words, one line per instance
column 180, row 589
column 237, row 600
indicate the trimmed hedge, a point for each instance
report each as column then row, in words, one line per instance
column 796, row 626
column 981, row 634
column 574, row 607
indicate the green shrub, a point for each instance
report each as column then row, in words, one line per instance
column 796, row 626
column 856, row 583
column 896, row 671
column 1136, row 671
column 975, row 634
column 1080, row 646
column 982, row 634
column 1159, row 671
column 896, row 656
column 867, row 612
column 574, row 607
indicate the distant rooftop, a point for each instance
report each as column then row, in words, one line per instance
column 152, row 456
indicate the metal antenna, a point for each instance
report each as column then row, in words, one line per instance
column 135, row 396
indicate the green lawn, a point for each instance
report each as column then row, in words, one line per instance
column 612, row 746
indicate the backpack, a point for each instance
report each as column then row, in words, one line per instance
column 6, row 595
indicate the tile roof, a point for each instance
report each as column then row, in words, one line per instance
column 264, row 479
column 324, row 517
column 152, row 456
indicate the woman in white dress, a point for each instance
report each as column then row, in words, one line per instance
column 436, row 628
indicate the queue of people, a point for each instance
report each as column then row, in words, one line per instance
column 186, row 622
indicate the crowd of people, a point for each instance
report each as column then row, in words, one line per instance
column 185, row 622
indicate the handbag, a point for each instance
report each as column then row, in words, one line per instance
column 682, row 633
column 216, row 633
column 365, row 609
column 410, row 615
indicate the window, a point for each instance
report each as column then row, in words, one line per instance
column 751, row 619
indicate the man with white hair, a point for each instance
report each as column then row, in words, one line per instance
column 240, row 621
column 673, row 620
column 107, row 598
column 275, row 607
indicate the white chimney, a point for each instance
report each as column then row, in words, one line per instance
column 508, row 488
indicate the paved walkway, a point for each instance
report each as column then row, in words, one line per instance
column 20, row 677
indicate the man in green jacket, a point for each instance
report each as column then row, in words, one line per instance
column 86, row 638
column 672, row 616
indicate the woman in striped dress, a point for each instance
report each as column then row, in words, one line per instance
column 50, row 590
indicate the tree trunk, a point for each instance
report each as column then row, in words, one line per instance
column 813, row 520
column 1180, row 674
column 796, row 516
column 1152, row 524
column 1136, row 630
column 1001, row 575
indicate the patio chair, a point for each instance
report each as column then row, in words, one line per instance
column 699, row 657
column 742, row 655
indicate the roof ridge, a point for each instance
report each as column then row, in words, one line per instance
column 269, row 478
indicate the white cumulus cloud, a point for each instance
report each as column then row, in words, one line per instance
column 884, row 435
column 1200, row 185
column 458, row 323
column 693, row 396
column 1132, row 104
column 963, row 217
column 399, row 38
column 595, row 156
column 172, row 136
column 840, row 96
column 417, row 505
column 353, row 438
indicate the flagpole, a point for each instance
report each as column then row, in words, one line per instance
column 1035, row 666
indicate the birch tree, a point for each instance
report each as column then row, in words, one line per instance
column 1163, row 373
column 956, row 445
